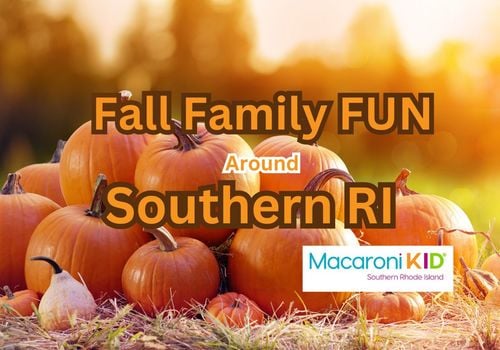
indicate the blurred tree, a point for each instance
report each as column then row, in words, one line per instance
column 45, row 76
column 374, row 46
column 205, row 47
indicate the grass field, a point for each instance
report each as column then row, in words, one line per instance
column 462, row 324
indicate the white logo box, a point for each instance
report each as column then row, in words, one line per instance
column 377, row 269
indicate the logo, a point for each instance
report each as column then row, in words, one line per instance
column 377, row 268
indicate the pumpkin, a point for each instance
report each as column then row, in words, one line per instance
column 43, row 178
column 492, row 264
column 391, row 307
column 20, row 213
column 234, row 310
column 418, row 216
column 183, row 162
column 478, row 282
column 86, row 155
column 313, row 159
column 20, row 303
column 83, row 245
column 170, row 273
column 65, row 300
column 493, row 298
column 266, row 264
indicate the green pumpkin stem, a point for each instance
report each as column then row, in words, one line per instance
column 401, row 183
column 12, row 185
column 97, row 206
column 186, row 142
column 321, row 178
column 165, row 238
column 8, row 292
column 55, row 266
column 56, row 157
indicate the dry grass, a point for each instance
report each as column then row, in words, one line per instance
column 463, row 324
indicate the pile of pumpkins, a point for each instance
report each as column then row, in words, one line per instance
column 52, row 234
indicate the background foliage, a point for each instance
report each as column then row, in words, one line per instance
column 50, row 64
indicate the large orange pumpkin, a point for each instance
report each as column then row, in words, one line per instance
column 43, row 178
column 392, row 307
column 418, row 219
column 20, row 213
column 83, row 244
column 313, row 159
column 266, row 265
column 170, row 273
column 86, row 155
column 182, row 162
column 234, row 310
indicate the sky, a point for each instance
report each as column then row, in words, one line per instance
column 282, row 25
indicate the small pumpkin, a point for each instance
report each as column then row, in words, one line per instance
column 493, row 297
column 492, row 264
column 20, row 213
column 392, row 307
column 266, row 264
column 65, row 300
column 86, row 155
column 313, row 160
column 235, row 310
column 418, row 216
column 170, row 273
column 478, row 282
column 184, row 162
column 20, row 303
column 83, row 244
column 43, row 178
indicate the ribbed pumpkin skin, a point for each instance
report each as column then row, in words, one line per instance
column 43, row 179
column 162, row 167
column 392, row 307
column 85, row 156
column 416, row 215
column 82, row 245
column 154, row 279
column 266, row 266
column 492, row 264
column 314, row 159
column 235, row 310
column 19, row 216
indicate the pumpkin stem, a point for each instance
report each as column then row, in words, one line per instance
column 12, row 185
column 55, row 266
column 186, row 142
column 464, row 265
column 441, row 231
column 401, row 180
column 165, row 238
column 97, row 206
column 321, row 178
column 440, row 237
column 236, row 303
column 8, row 292
column 387, row 293
column 56, row 157
column 125, row 95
